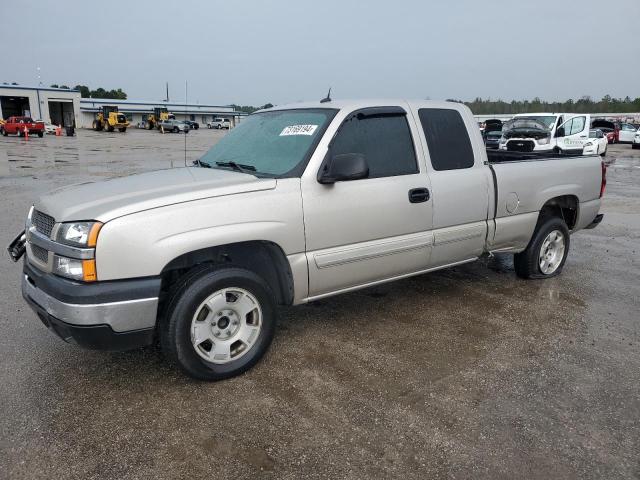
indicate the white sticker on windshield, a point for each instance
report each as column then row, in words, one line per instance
column 298, row 130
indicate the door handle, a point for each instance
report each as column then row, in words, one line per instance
column 419, row 195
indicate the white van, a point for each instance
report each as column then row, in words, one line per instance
column 546, row 132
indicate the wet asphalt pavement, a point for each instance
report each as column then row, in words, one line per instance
column 468, row 372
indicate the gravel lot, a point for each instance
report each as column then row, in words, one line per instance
column 464, row 373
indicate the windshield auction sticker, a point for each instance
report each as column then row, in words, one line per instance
column 298, row 130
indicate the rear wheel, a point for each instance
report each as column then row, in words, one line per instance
column 176, row 130
column 110, row 128
column 219, row 322
column 547, row 251
column 122, row 129
column 4, row 133
column 41, row 134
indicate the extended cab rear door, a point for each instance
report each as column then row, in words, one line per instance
column 363, row 231
column 460, row 181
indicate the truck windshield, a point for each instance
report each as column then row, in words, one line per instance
column 271, row 144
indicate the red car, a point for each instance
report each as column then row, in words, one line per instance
column 16, row 126
column 610, row 129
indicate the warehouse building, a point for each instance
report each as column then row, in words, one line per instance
column 136, row 111
column 56, row 105
column 65, row 107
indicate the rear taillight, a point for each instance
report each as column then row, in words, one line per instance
column 603, row 183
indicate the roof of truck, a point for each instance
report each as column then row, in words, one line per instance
column 353, row 104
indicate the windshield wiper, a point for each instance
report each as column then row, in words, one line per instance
column 237, row 166
column 201, row 164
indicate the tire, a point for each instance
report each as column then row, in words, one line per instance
column 110, row 128
column 218, row 127
column 123, row 129
column 186, row 307
column 176, row 130
column 528, row 263
column 635, row 146
column 5, row 133
column 40, row 134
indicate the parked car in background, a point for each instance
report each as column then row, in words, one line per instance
column 492, row 138
column 17, row 125
column 219, row 123
column 192, row 125
column 636, row 140
column 175, row 126
column 627, row 133
column 546, row 132
column 50, row 128
column 597, row 144
column 609, row 128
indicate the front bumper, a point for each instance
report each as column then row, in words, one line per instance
column 118, row 315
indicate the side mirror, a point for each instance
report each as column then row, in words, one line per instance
column 344, row 167
column 560, row 132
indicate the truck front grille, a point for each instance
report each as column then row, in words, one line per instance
column 43, row 222
column 520, row 145
column 40, row 253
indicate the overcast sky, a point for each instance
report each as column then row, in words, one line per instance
column 253, row 52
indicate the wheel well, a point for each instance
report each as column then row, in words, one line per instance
column 261, row 257
column 564, row 207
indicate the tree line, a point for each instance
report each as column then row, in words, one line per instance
column 584, row 104
column 86, row 92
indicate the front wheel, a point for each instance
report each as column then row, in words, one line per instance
column 176, row 130
column 547, row 251
column 41, row 134
column 219, row 322
column 122, row 129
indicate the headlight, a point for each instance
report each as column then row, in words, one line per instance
column 503, row 140
column 543, row 141
column 588, row 144
column 79, row 234
column 84, row 270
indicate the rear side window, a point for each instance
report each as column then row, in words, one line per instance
column 384, row 140
column 447, row 138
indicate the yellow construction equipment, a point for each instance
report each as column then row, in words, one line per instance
column 109, row 119
column 159, row 114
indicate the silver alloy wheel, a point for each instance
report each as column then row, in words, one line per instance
column 551, row 252
column 226, row 325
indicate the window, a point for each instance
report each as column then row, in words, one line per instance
column 384, row 139
column 573, row 126
column 447, row 138
column 628, row 128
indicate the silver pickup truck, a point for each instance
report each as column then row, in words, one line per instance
column 298, row 203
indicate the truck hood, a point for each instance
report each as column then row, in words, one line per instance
column 109, row 199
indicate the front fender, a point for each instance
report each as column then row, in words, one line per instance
column 141, row 244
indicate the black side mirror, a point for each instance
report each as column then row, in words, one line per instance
column 560, row 132
column 344, row 167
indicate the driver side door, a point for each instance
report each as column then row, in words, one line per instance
column 359, row 232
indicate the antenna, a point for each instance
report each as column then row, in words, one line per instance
column 327, row 98
column 167, row 96
column 186, row 110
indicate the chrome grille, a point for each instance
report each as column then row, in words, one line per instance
column 43, row 222
column 40, row 253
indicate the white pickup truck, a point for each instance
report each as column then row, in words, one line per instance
column 298, row 203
